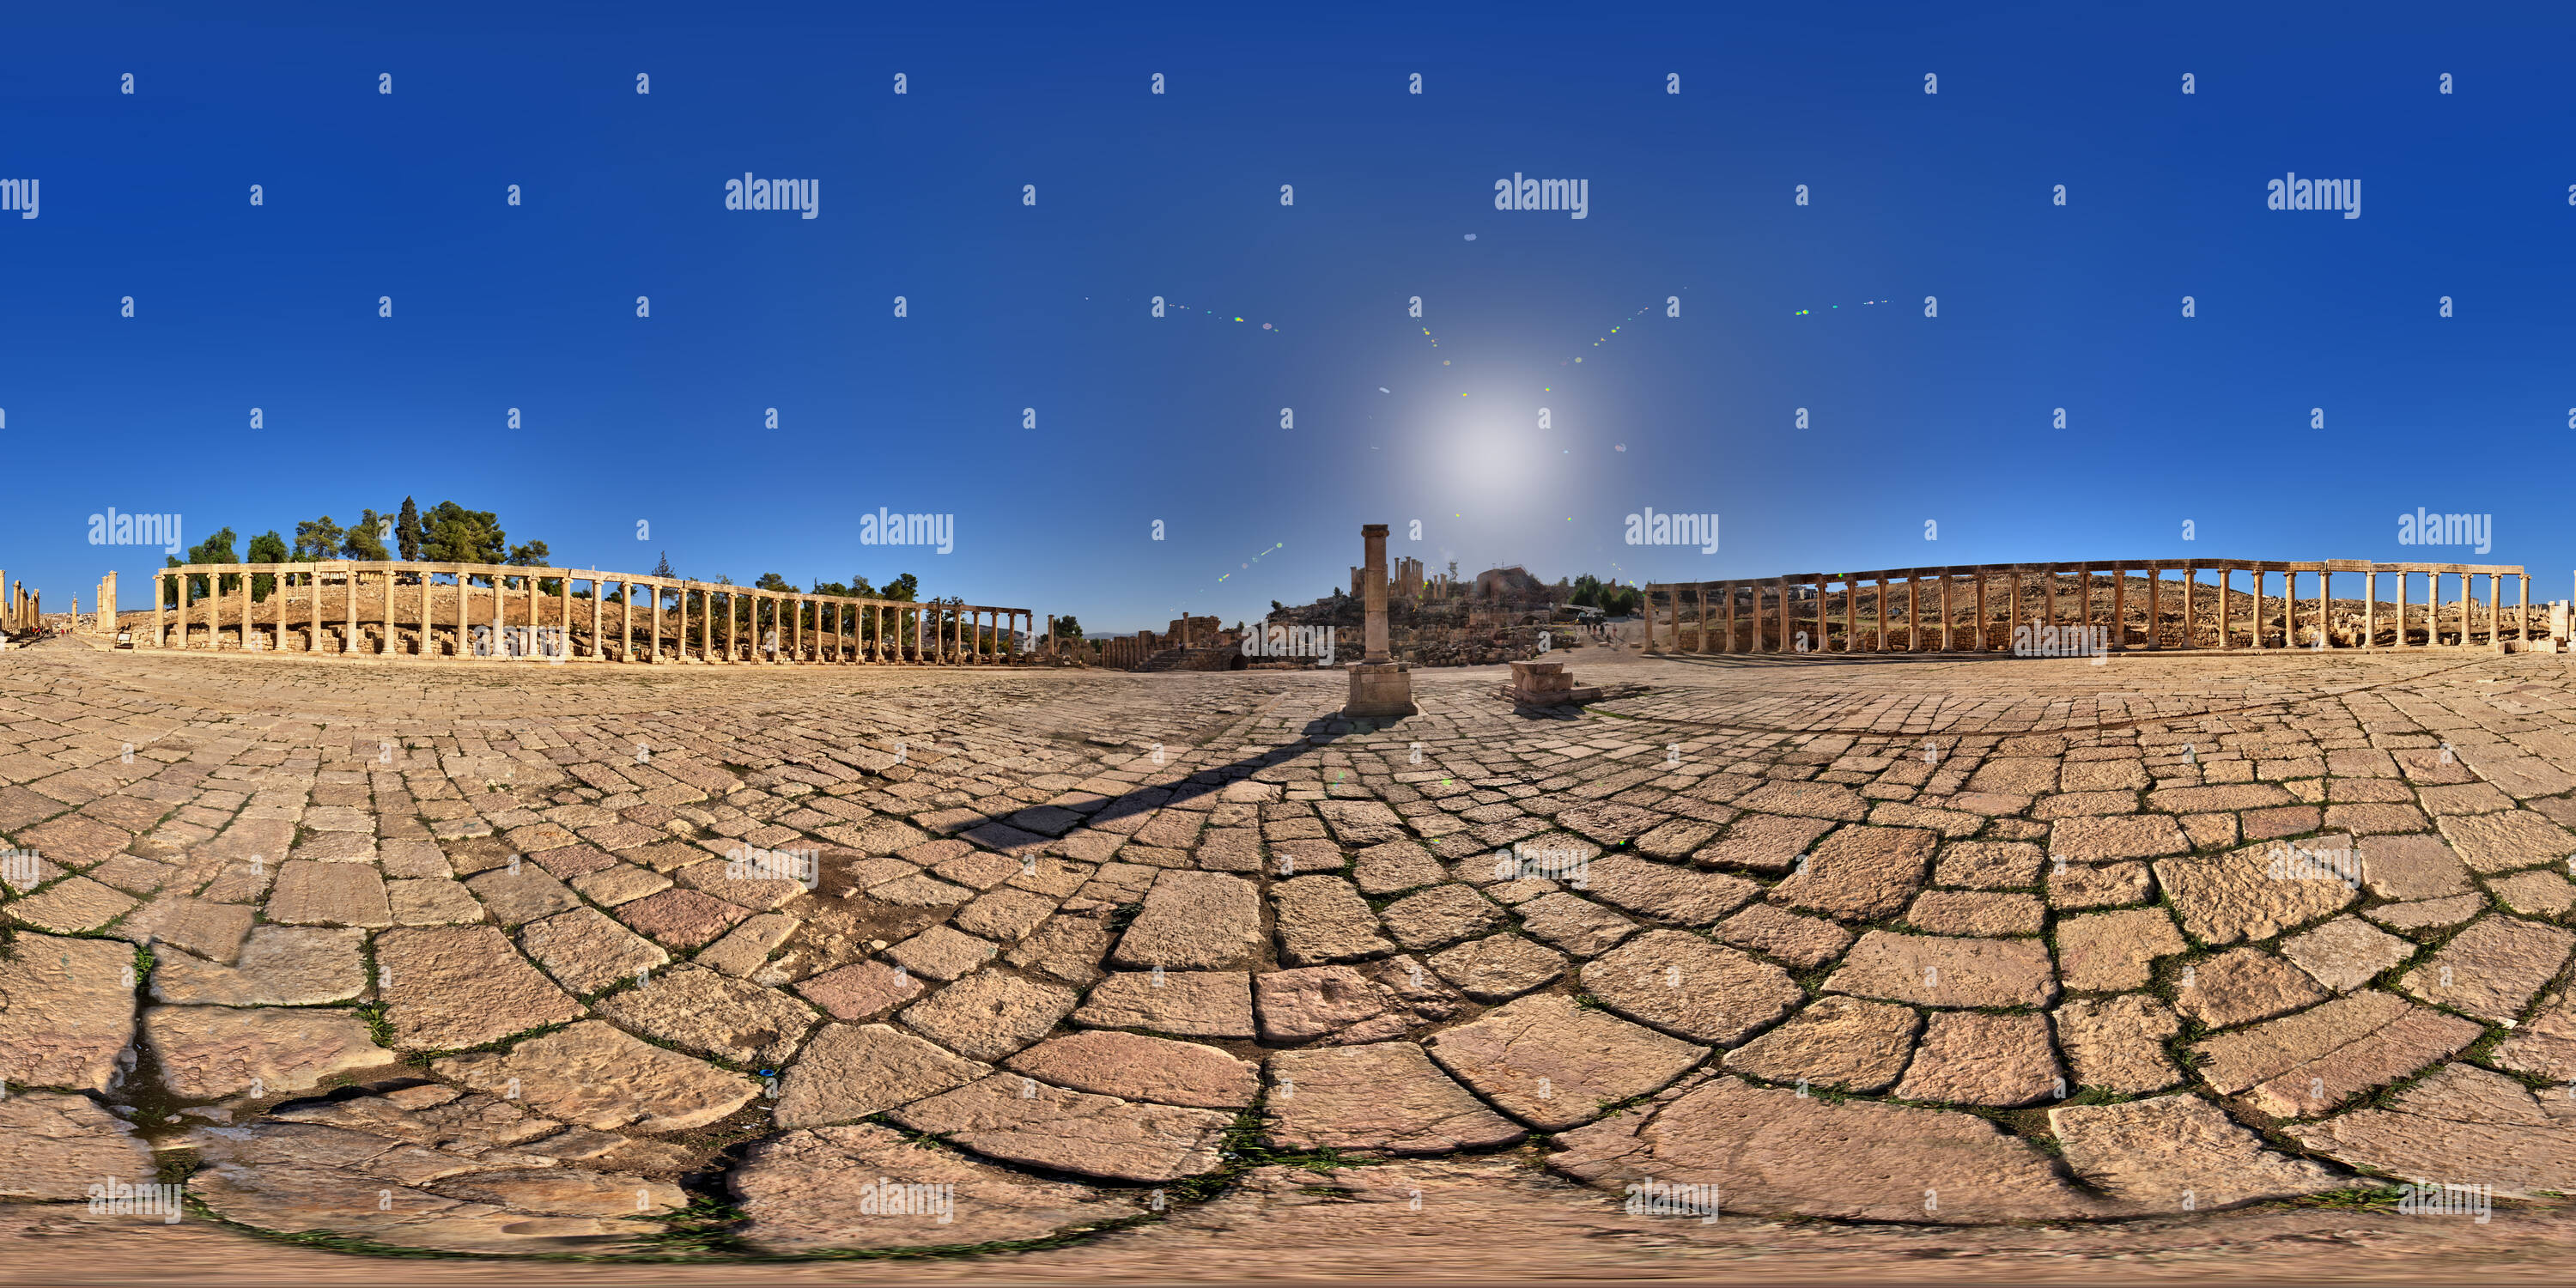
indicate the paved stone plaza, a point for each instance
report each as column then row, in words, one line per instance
column 496, row 959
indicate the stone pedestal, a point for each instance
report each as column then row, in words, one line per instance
column 1380, row 685
column 1545, row 684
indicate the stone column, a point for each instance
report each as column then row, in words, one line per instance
column 1882, row 613
column 598, row 596
column 2370, row 608
column 160, row 638
column 1380, row 686
column 2224, row 577
column 2522, row 627
column 2325, row 607
column 2464, row 609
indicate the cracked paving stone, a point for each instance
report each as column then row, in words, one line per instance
column 2492, row 969
column 2306, row 1064
column 2546, row 1047
column 1013, row 1118
column 593, row 1075
column 1190, row 1004
column 2345, row 953
column 1839, row 1042
column 2539, row 893
column 209, row 1052
column 1574, row 924
column 712, row 1014
column 2492, row 843
column 1766, row 843
column 214, row 931
column 1322, row 919
column 1554, row 1065
column 1067, row 949
column 861, row 990
column 681, row 919
column 942, row 954
column 1666, row 893
column 432, row 902
column 1498, row 968
column 2118, row 1043
column 586, row 951
column 2411, row 867
column 2244, row 985
column 1396, row 866
column 1382, row 1096
column 1989, row 865
column 2233, row 898
column 1682, row 984
column 2462, row 1122
column 2175, row 1154
column 1861, row 873
column 1978, row 913
column 1803, row 942
column 312, row 893
column 1887, row 1163
column 1302, row 1005
column 1971, row 1058
column 1132, row 1066
column 72, row 905
column 2077, row 886
column 66, row 1011
column 455, row 987
column 1930, row 970
column 278, row 966
column 849, row 1071
column 516, row 898
column 1194, row 921
column 822, row 1188
column 2113, row 952
column 1441, row 916
column 989, row 1015
column 53, row 1148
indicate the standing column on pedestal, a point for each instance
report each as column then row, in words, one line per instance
column 2464, row 609
column 2325, row 608
column 2370, row 608
column 1380, row 686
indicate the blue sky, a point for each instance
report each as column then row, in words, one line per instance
column 1047, row 307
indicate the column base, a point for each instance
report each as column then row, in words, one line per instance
column 1381, row 689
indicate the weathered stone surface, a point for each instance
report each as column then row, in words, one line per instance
column 2345, row 953
column 71, row 906
column 2411, row 867
column 2151, row 1154
column 1067, row 949
column 2306, row 1064
column 2429, row 914
column 1838, row 1042
column 594, row 1076
column 1989, row 865
column 1803, row 942
column 2492, row 843
column 1194, row 921
column 2098, row 838
column 850, row 1071
column 941, row 953
column 1574, row 924
column 2109, row 952
column 433, row 902
column 1396, row 866
column 1383, row 1096
column 311, row 893
column 2463, row 1122
column 54, row 1147
column 2492, row 969
column 681, row 919
column 209, row 1052
column 1861, row 873
column 516, row 898
column 2244, row 985
column 1190, row 1004
column 1981, row 913
column 2547, row 1045
column 821, row 1188
column 1018, row 1119
column 989, row 1015
column 278, row 966
column 1888, row 1162
column 1686, row 986
column 1498, row 968
column 2076, row 886
column 1323, row 919
column 1441, row 916
column 2117, row 1043
column 214, row 931
column 586, row 951
column 1765, row 842
column 2234, row 897
column 708, row 1013
column 1971, row 1058
column 1665, row 892
column 1132, row 1066
column 1929, row 970
column 448, row 988
column 1302, row 1005
column 860, row 991
column 2538, row 893
column 66, row 1011
column 1551, row 1064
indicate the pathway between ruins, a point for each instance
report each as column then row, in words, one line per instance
column 2168, row 958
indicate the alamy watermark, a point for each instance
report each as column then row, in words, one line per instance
column 937, row 1200
column 19, row 195
column 1282, row 640
column 2424, row 528
column 1552, row 863
column 1656, row 529
column 885, row 528
column 515, row 643
column 21, row 868
column 2299, row 863
column 116, row 528
column 2036, row 640
column 1517, row 193
column 801, row 866
column 2294, row 193
column 748, row 193
column 2432, row 1198
column 1660, row 1198
column 118, row 1198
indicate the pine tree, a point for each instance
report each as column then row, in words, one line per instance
column 407, row 532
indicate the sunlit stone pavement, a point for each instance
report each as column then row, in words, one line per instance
column 496, row 959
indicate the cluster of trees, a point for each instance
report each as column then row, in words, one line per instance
column 1613, row 599
column 447, row 533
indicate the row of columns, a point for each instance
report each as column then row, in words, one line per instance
column 19, row 609
column 841, row 630
column 1786, row 635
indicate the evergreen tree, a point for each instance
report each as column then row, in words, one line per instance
column 407, row 531
column 365, row 539
column 268, row 548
